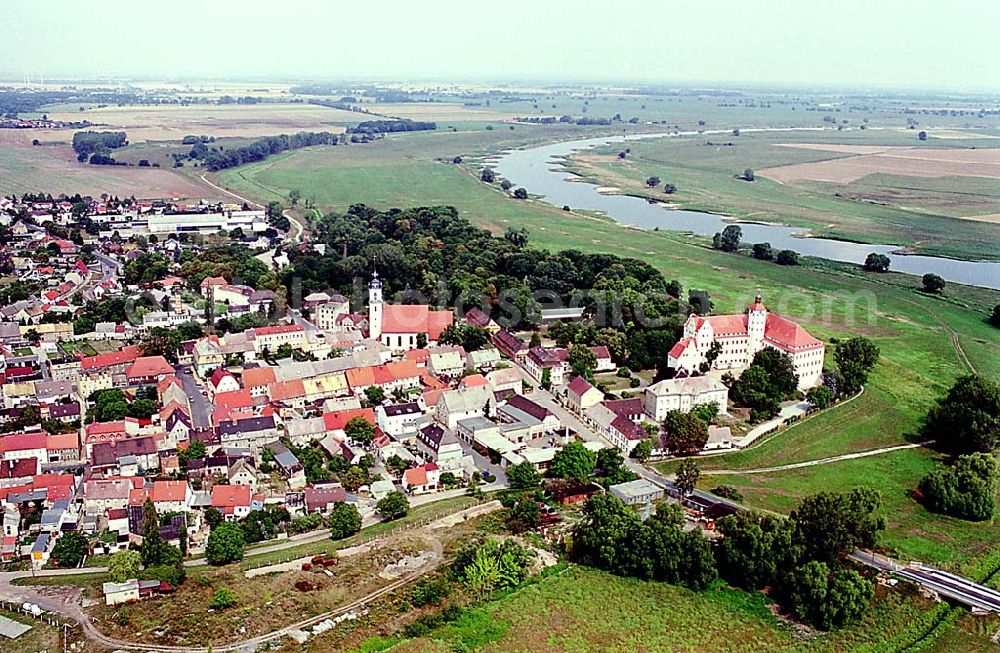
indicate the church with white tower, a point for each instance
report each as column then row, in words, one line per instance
column 399, row 326
column 741, row 336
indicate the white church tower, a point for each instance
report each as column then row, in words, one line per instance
column 375, row 307
column 756, row 322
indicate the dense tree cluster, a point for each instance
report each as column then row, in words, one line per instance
column 220, row 159
column 798, row 558
column 434, row 255
column 232, row 261
column 88, row 143
column 613, row 537
column 769, row 380
column 391, row 126
column 966, row 489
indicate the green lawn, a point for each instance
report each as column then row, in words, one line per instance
column 916, row 211
column 560, row 613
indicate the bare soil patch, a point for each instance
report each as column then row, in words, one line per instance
column 910, row 162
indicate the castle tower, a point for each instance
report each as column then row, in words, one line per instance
column 756, row 322
column 375, row 307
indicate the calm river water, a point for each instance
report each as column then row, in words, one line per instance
column 535, row 170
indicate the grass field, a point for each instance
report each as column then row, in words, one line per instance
column 560, row 613
column 917, row 211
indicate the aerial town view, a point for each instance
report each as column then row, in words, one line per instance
column 526, row 327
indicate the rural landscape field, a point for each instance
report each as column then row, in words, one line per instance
column 730, row 380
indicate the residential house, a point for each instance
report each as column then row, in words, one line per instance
column 581, row 395
column 421, row 479
column 399, row 420
column 683, row 394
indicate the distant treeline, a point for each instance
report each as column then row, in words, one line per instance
column 569, row 120
column 265, row 147
column 335, row 104
column 391, row 126
column 88, row 143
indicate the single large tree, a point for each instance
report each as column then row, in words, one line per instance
column 683, row 433
column 153, row 544
column 932, row 283
column 523, row 476
column 729, row 239
column 967, row 419
column 124, row 565
column 345, row 520
column 225, row 544
column 876, row 263
column 574, row 462
column 687, row 475
column 856, row 358
column 393, row 506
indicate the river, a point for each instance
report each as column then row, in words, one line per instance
column 537, row 170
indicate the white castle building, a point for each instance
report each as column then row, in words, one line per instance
column 397, row 326
column 742, row 336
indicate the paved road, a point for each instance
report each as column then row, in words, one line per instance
column 944, row 584
column 201, row 407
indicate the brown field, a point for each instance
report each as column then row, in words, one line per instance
column 173, row 122
column 54, row 169
column 905, row 161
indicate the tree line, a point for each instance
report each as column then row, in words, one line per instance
column 220, row 159
column 796, row 559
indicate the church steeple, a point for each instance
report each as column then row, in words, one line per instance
column 375, row 306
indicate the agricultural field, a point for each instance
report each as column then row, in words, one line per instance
column 826, row 183
column 54, row 169
column 171, row 122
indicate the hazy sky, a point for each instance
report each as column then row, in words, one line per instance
column 891, row 43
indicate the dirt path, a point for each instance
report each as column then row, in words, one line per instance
column 821, row 461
